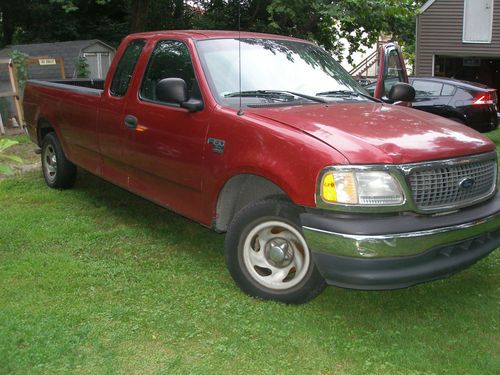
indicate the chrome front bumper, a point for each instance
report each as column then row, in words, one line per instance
column 386, row 253
column 397, row 244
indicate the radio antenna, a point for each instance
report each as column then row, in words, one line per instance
column 240, row 111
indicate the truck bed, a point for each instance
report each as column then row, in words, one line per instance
column 84, row 86
column 71, row 107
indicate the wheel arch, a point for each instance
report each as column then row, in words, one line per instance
column 44, row 127
column 239, row 191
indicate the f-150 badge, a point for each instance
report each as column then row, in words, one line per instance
column 217, row 145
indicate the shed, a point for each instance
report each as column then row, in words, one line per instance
column 97, row 53
column 460, row 39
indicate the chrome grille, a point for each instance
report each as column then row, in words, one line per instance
column 440, row 186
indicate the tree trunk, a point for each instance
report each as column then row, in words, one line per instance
column 8, row 24
column 139, row 15
column 179, row 13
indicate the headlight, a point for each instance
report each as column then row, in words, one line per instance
column 367, row 188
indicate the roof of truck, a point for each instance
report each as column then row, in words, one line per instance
column 213, row 34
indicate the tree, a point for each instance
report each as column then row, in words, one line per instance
column 31, row 21
column 139, row 14
column 322, row 21
column 12, row 13
column 223, row 14
column 360, row 22
column 326, row 22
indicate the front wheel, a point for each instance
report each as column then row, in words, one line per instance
column 268, row 256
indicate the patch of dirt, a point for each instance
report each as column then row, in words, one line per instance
column 10, row 131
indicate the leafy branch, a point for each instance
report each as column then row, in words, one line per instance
column 19, row 61
column 4, row 145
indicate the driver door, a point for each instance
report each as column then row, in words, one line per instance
column 165, row 145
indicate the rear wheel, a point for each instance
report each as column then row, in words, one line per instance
column 268, row 256
column 58, row 171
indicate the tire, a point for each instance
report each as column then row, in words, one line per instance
column 267, row 255
column 58, row 171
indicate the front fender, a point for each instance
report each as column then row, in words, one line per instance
column 288, row 158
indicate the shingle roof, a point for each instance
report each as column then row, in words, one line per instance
column 68, row 50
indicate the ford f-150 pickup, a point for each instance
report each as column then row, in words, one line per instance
column 267, row 138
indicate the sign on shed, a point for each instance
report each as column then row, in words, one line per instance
column 47, row 61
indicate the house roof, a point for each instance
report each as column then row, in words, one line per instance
column 70, row 48
column 69, row 51
column 427, row 5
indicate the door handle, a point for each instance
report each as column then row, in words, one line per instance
column 130, row 122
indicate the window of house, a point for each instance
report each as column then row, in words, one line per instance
column 170, row 59
column 478, row 21
column 98, row 63
column 125, row 68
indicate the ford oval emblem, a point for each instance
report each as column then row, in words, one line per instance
column 467, row 183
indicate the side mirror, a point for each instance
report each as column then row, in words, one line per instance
column 174, row 90
column 402, row 92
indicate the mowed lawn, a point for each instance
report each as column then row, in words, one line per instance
column 95, row 280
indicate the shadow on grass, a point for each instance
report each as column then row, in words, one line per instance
column 158, row 225
column 461, row 300
column 133, row 210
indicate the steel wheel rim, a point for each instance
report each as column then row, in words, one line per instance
column 276, row 255
column 49, row 159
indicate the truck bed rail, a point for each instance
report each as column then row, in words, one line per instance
column 84, row 86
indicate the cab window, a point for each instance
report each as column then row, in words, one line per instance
column 125, row 68
column 169, row 59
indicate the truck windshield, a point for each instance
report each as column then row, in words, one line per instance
column 275, row 72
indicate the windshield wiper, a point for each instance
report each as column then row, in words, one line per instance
column 345, row 93
column 275, row 94
column 338, row 93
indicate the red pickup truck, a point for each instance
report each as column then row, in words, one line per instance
column 268, row 139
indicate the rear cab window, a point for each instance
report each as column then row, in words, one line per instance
column 126, row 66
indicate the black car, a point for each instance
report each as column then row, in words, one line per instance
column 469, row 103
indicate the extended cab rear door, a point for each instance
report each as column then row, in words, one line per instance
column 113, row 131
column 391, row 70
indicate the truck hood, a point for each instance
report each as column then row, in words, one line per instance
column 372, row 133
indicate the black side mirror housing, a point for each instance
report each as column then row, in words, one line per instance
column 402, row 92
column 174, row 90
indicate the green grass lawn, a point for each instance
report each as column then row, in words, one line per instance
column 95, row 280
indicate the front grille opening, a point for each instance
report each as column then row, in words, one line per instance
column 452, row 185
